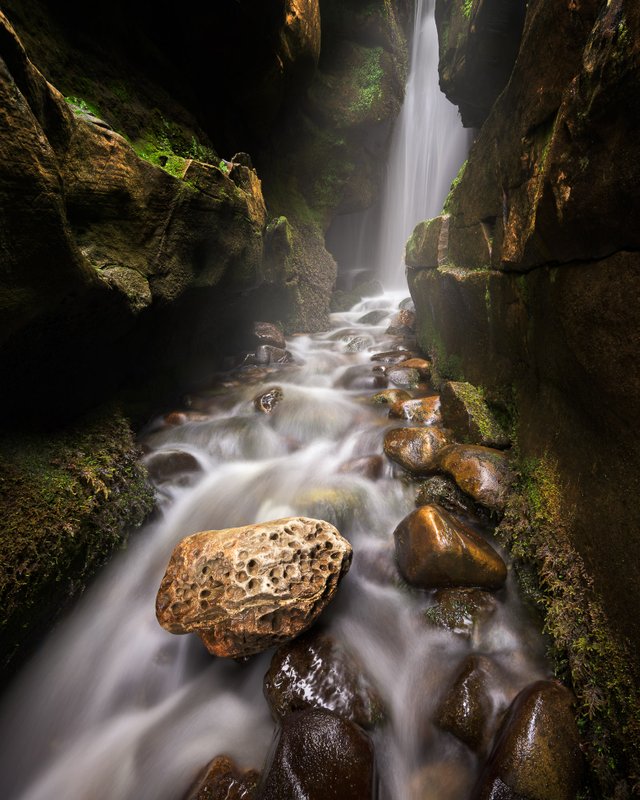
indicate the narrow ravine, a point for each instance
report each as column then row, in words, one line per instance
column 115, row 708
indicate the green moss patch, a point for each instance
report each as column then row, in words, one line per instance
column 584, row 652
column 66, row 501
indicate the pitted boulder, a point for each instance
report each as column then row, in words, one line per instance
column 245, row 589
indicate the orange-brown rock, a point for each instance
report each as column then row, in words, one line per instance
column 390, row 396
column 537, row 751
column 421, row 364
column 414, row 449
column 268, row 333
column 481, row 472
column 245, row 589
column 222, row 780
column 434, row 549
column 423, row 409
column 403, row 324
column 316, row 671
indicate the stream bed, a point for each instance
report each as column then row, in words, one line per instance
column 115, row 708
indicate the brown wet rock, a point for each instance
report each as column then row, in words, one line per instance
column 425, row 410
column 421, row 364
column 415, row 449
column 368, row 466
column 167, row 465
column 401, row 376
column 461, row 611
column 466, row 413
column 266, row 401
column 267, row 354
column 245, row 589
column 320, row 756
column 443, row 491
column 481, row 472
column 222, row 780
column 467, row 710
column 392, row 356
column 403, row 323
column 537, row 752
column 390, row 397
column 315, row 671
column 435, row 549
column 269, row 334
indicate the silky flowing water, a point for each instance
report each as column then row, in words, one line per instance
column 113, row 707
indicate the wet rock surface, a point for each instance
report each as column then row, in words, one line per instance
column 403, row 376
column 537, row 751
column 481, row 472
column 320, row 756
column 425, row 410
column 269, row 334
column 390, row 397
column 461, row 611
column 466, row 413
column 245, row 589
column 222, row 780
column 315, row 671
column 172, row 465
column 443, row 491
column 435, row 549
column 415, row 449
column 267, row 401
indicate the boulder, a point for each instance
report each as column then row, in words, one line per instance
column 266, row 401
column 537, row 752
column 170, row 465
column 245, row 589
column 434, row 549
column 374, row 317
column 222, row 780
column 466, row 413
column 320, row 756
column 443, row 491
column 401, row 376
column 423, row 409
column 316, row 671
column 403, row 324
column 461, row 611
column 482, row 473
column 368, row 466
column 420, row 364
column 414, row 449
column 467, row 710
column 268, row 333
column 390, row 397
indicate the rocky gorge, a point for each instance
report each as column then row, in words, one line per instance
column 425, row 508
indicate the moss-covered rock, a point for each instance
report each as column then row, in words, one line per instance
column 67, row 499
column 466, row 413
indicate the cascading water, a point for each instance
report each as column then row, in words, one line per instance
column 115, row 708
column 427, row 148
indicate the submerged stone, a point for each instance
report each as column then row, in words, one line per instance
column 368, row 466
column 374, row 317
column 169, row 465
column 435, row 549
column 414, row 449
column 320, row 756
column 315, row 671
column 461, row 611
column 390, row 397
column 537, row 752
column 245, row 589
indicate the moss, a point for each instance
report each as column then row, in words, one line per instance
column 467, row 7
column 165, row 145
column 81, row 106
column 475, row 404
column 368, row 79
column 449, row 203
column 584, row 652
column 66, row 501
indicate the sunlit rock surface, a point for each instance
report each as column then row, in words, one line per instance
column 245, row 589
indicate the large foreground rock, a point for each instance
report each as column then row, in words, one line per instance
column 537, row 753
column 435, row 549
column 245, row 589
column 320, row 756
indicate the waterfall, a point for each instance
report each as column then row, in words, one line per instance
column 427, row 148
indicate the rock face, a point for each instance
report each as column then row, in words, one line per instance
column 434, row 549
column 414, row 449
column 482, row 473
column 466, row 413
column 315, row 671
column 244, row 589
column 320, row 756
column 537, row 752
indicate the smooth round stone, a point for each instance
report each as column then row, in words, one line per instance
column 374, row 317
column 315, row 671
column 425, row 410
column 402, row 376
column 434, row 549
column 415, row 449
column 467, row 710
column 481, row 472
column 421, row 364
column 320, row 756
column 266, row 401
column 537, row 752
column 390, row 397
column 168, row 465
column 222, row 780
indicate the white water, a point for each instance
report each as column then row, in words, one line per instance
column 427, row 150
column 115, row 708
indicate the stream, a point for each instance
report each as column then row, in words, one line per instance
column 115, row 708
